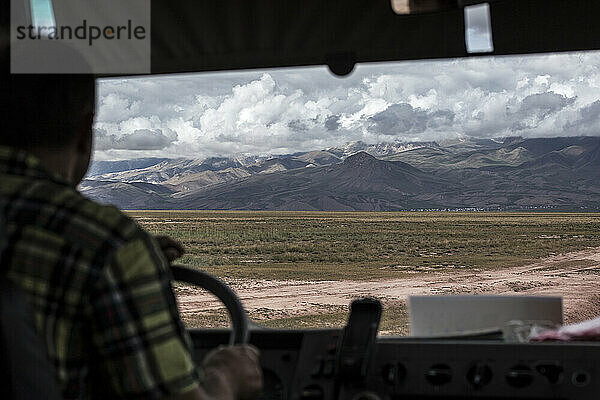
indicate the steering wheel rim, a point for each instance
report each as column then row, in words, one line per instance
column 237, row 313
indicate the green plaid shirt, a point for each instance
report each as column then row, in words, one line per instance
column 98, row 284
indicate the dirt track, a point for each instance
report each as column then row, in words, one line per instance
column 575, row 276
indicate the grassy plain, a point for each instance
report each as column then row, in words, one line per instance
column 364, row 245
column 357, row 246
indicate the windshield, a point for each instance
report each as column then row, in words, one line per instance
column 303, row 190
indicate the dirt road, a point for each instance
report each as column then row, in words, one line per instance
column 574, row 276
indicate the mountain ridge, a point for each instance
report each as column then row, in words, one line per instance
column 515, row 174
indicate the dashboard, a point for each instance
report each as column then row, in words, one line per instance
column 314, row 365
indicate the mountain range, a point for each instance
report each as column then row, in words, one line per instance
column 513, row 173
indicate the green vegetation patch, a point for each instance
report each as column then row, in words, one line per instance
column 366, row 245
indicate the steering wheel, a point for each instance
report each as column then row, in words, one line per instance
column 237, row 313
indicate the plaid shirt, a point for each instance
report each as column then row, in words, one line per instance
column 98, row 284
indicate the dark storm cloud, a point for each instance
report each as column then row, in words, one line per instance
column 297, row 125
column 404, row 119
column 544, row 103
column 536, row 107
column 332, row 123
column 439, row 118
column 399, row 118
column 141, row 139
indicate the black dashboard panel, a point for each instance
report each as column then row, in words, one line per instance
column 303, row 365
column 484, row 369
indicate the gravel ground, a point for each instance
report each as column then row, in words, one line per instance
column 574, row 276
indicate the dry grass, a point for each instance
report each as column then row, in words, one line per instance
column 365, row 246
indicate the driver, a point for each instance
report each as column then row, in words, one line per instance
column 98, row 284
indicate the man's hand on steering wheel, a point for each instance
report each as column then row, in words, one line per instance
column 236, row 367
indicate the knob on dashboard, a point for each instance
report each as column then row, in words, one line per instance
column 312, row 392
column 580, row 378
column 438, row 374
column 519, row 376
column 479, row 375
column 393, row 372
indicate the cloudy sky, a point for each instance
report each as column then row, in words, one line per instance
column 288, row 110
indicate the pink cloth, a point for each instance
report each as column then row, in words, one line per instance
column 586, row 330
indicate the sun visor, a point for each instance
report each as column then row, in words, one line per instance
column 198, row 35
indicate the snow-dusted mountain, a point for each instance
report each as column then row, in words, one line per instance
column 378, row 149
column 511, row 174
column 221, row 169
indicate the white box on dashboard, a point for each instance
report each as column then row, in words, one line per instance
column 439, row 316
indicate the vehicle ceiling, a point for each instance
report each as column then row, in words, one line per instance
column 209, row 35
column 213, row 35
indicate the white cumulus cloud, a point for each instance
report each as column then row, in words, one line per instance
column 300, row 109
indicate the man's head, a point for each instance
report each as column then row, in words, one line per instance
column 51, row 116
